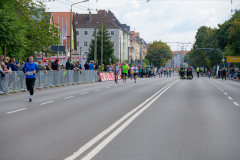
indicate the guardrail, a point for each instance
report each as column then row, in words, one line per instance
column 15, row 82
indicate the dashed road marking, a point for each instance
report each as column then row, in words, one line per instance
column 222, row 90
column 85, row 93
column 236, row 103
column 230, row 98
column 16, row 111
column 46, row 103
column 108, row 87
column 68, row 97
column 97, row 90
column 225, row 93
column 132, row 115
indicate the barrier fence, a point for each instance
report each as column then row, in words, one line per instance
column 14, row 82
column 108, row 76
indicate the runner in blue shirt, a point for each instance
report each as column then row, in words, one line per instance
column 30, row 69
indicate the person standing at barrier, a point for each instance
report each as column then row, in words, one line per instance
column 68, row 64
column 96, row 66
column 91, row 66
column 125, row 71
column 86, row 66
column 55, row 65
column 30, row 69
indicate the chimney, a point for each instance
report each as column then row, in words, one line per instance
column 90, row 16
column 111, row 16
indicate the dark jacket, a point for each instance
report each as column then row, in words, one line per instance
column 80, row 66
column 7, row 65
column 224, row 73
column 68, row 66
column 13, row 67
column 86, row 66
column 96, row 66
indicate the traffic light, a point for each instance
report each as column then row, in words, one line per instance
column 195, row 47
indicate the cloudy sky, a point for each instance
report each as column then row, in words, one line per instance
column 165, row 20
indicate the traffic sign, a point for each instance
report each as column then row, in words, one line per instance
column 223, row 60
column 233, row 59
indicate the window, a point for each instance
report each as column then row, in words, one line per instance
column 112, row 43
column 85, row 44
column 112, row 33
column 85, row 53
column 77, row 32
column 85, row 33
column 77, row 43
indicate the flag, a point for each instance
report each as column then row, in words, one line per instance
column 61, row 37
column 65, row 31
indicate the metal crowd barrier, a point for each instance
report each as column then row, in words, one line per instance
column 15, row 82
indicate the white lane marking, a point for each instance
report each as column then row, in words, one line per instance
column 98, row 148
column 46, row 103
column 97, row 90
column 222, row 90
column 108, row 87
column 236, row 103
column 16, row 111
column 85, row 93
column 68, row 97
column 114, row 125
column 225, row 93
column 230, row 98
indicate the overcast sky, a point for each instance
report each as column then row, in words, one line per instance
column 165, row 20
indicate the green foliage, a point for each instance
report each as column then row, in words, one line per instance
column 24, row 29
column 226, row 38
column 156, row 53
column 108, row 50
column 146, row 61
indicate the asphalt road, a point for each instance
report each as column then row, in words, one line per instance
column 154, row 119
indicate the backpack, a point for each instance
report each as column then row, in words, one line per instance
column 54, row 65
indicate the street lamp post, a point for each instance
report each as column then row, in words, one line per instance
column 71, row 26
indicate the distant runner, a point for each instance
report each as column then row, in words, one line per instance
column 125, row 71
column 116, row 72
column 135, row 69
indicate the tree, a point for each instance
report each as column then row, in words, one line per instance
column 146, row 61
column 157, row 53
column 108, row 50
column 24, row 29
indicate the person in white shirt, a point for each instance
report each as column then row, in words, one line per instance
column 135, row 70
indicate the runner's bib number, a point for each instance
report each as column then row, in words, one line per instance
column 29, row 73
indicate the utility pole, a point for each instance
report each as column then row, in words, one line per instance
column 101, row 46
column 120, row 49
column 95, row 46
column 71, row 33
column 80, row 52
column 141, row 52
